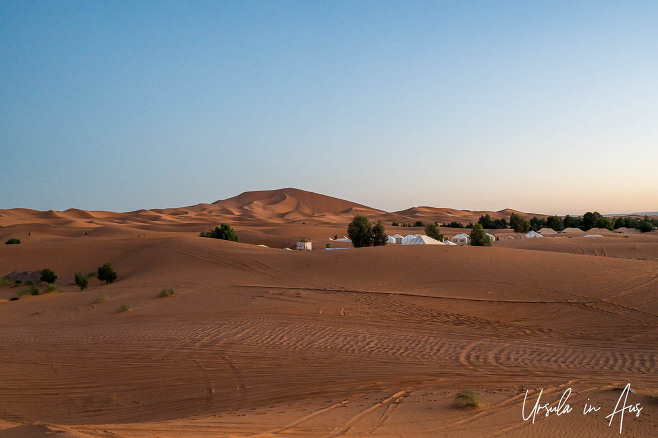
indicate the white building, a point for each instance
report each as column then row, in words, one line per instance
column 461, row 239
column 304, row 246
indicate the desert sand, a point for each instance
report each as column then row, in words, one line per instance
column 361, row 342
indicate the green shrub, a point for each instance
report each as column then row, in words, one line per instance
column 53, row 288
column 125, row 308
column 395, row 224
column 101, row 299
column 328, row 245
column 468, row 398
column 479, row 237
column 360, row 232
column 106, row 273
column 48, row 276
column 379, row 237
column 419, row 224
column 433, row 231
column 82, row 281
column 224, row 232
column 519, row 224
column 32, row 289
column 646, row 226
column 13, row 241
column 167, row 293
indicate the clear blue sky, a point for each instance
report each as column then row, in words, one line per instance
column 549, row 107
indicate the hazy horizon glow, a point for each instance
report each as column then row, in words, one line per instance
column 540, row 107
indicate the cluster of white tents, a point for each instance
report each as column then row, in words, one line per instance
column 422, row 239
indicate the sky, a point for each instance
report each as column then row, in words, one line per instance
column 547, row 107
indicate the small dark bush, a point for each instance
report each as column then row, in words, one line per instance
column 395, row 224
column 125, row 308
column 479, row 237
column 106, row 273
column 419, row 224
column 224, row 232
column 328, row 245
column 13, row 241
column 53, row 288
column 170, row 292
column 48, row 276
column 82, row 281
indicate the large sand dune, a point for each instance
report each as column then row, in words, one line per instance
column 266, row 342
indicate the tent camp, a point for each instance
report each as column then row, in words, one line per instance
column 461, row 239
column 449, row 243
column 390, row 239
column 599, row 231
column 492, row 238
column 398, row 239
column 408, row 238
column 533, row 234
column 547, row 231
column 421, row 239
column 624, row 230
column 572, row 230
column 343, row 239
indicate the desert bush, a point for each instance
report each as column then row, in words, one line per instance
column 170, row 292
column 106, row 273
column 32, row 289
column 419, row 224
column 125, row 308
column 48, row 276
column 479, row 237
column 433, row 231
column 82, row 281
column 328, row 245
column 379, row 237
column 13, row 241
column 467, row 398
column 53, row 288
column 519, row 224
column 101, row 299
column 4, row 281
column 395, row 224
column 360, row 232
column 646, row 226
column 224, row 232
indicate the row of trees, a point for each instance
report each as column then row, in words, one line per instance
column 585, row 222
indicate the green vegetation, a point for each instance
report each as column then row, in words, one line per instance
column 519, row 223
column 453, row 225
column 468, row 398
column 487, row 222
column 379, row 237
column 395, row 224
column 4, row 281
column 433, row 231
column 167, row 293
column 32, row 289
column 106, row 273
column 48, row 276
column 82, row 281
column 419, row 224
column 645, row 226
column 362, row 233
column 53, row 288
column 479, row 237
column 224, row 232
column 125, row 308
column 537, row 223
column 13, row 241
column 328, row 245
column 101, row 299
column 554, row 222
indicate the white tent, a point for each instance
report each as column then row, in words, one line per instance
column 421, row 239
column 409, row 238
column 390, row 239
column 398, row 239
column 491, row 237
column 572, row 230
column 449, row 243
column 533, row 234
column 546, row 231
column 461, row 239
column 343, row 239
column 594, row 235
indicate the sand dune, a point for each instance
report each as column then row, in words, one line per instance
column 265, row 342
